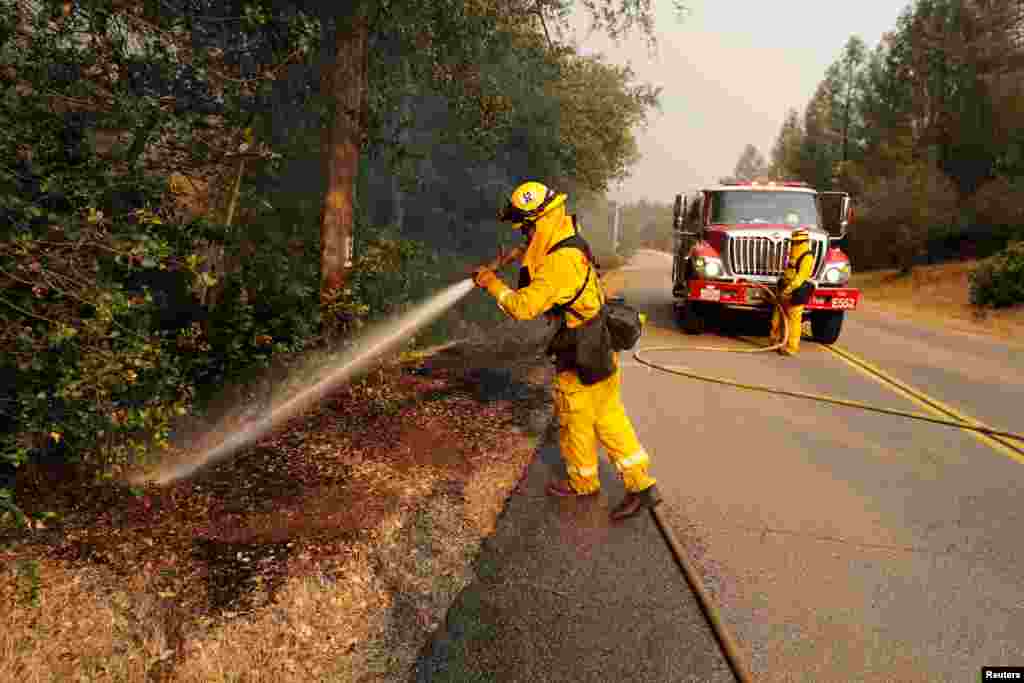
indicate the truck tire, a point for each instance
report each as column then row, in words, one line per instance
column 689, row 317
column 826, row 326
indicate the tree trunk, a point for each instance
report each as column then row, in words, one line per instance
column 846, row 113
column 345, row 84
column 397, row 193
column 397, row 202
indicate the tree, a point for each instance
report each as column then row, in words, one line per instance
column 903, row 208
column 817, row 150
column 751, row 164
column 109, row 104
column 450, row 37
column 851, row 62
column 822, row 140
column 137, row 136
column 786, row 151
column 885, row 100
column 599, row 108
column 562, row 118
column 932, row 115
column 344, row 82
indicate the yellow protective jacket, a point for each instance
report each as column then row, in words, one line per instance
column 554, row 278
column 793, row 278
column 586, row 413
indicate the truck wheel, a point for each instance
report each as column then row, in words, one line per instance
column 688, row 315
column 724, row 321
column 826, row 326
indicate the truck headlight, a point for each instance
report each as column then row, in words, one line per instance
column 708, row 266
column 837, row 274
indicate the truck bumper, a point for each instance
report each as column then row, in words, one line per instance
column 747, row 296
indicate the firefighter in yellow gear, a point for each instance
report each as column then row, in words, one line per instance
column 587, row 413
column 794, row 282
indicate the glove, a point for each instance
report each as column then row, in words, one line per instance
column 482, row 277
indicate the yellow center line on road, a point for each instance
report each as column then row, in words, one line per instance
column 1009, row 447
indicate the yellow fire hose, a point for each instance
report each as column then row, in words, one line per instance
column 725, row 638
column 687, row 372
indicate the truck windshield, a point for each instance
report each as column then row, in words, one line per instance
column 761, row 206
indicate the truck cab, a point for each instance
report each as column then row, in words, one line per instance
column 732, row 240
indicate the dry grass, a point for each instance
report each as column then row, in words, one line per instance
column 367, row 619
column 81, row 629
column 316, row 630
column 360, row 616
column 356, row 610
column 486, row 491
column 938, row 296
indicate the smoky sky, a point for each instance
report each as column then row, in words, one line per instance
column 728, row 73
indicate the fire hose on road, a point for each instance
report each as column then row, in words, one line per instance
column 725, row 638
column 683, row 371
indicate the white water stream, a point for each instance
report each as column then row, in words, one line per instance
column 377, row 341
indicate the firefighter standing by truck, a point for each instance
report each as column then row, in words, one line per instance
column 558, row 278
column 795, row 288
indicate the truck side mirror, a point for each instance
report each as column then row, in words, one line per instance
column 845, row 218
column 678, row 217
column 836, row 213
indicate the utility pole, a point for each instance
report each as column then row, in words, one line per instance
column 615, row 220
column 619, row 224
column 611, row 224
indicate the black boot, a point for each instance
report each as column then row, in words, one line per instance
column 635, row 502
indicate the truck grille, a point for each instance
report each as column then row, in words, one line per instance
column 761, row 256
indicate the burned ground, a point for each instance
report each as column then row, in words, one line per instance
column 335, row 545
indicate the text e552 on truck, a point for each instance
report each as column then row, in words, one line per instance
column 733, row 238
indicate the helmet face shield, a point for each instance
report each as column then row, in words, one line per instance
column 540, row 210
column 513, row 214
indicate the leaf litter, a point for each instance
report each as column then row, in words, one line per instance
column 329, row 550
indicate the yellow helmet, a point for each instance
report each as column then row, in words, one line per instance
column 800, row 235
column 528, row 202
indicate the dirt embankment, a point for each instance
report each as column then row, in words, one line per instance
column 329, row 551
column 938, row 296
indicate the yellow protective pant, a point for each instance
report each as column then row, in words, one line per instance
column 795, row 317
column 587, row 414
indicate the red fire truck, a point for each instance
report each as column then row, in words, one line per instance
column 734, row 236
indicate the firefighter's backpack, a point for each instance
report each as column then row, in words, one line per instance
column 616, row 327
column 623, row 321
column 802, row 294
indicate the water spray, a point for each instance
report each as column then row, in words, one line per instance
column 379, row 341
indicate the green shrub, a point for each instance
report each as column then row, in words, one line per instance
column 388, row 274
column 265, row 308
column 999, row 281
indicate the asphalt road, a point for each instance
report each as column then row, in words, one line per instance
column 841, row 545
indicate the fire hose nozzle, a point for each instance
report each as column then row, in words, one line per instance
column 504, row 258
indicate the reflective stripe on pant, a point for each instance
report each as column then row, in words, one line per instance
column 587, row 414
column 795, row 317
